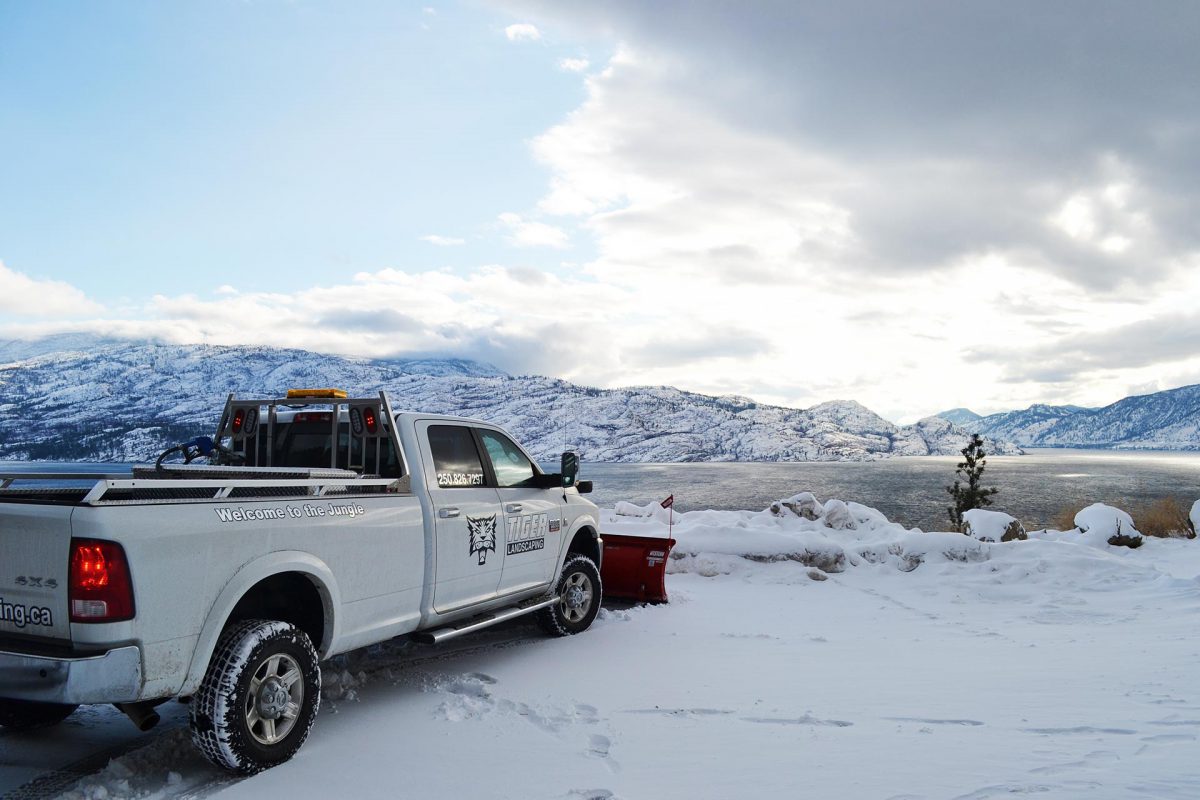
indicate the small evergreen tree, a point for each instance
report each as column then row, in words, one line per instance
column 971, row 495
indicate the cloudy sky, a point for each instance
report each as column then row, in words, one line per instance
column 916, row 205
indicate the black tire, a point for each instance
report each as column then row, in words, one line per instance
column 25, row 715
column 248, row 714
column 575, row 612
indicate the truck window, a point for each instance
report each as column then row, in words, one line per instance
column 511, row 466
column 306, row 444
column 455, row 457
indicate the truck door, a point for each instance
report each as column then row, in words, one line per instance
column 532, row 516
column 468, row 556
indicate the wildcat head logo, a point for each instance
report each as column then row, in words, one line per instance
column 483, row 535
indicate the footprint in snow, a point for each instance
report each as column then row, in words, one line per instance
column 481, row 677
column 680, row 712
column 599, row 747
column 1161, row 738
column 805, row 720
column 469, row 688
column 1081, row 729
column 748, row 636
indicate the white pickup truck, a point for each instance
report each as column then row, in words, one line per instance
column 321, row 524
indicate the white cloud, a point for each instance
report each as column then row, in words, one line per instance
column 529, row 233
column 573, row 64
column 30, row 297
column 522, row 32
column 443, row 241
column 1111, row 217
column 736, row 226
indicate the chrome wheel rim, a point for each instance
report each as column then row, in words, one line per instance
column 274, row 699
column 577, row 597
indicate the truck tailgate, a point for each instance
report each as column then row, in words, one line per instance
column 35, row 543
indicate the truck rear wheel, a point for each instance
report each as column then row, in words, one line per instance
column 580, row 590
column 24, row 715
column 259, row 697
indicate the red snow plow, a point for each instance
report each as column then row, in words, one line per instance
column 635, row 567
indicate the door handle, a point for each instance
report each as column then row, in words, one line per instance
column 512, row 508
column 448, row 513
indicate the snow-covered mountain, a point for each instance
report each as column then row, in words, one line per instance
column 100, row 400
column 960, row 416
column 1167, row 420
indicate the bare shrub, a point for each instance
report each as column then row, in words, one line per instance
column 1164, row 518
column 1064, row 520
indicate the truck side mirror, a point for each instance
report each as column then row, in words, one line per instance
column 570, row 468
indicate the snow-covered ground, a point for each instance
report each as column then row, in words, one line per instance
column 911, row 665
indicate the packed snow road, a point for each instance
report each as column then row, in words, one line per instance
column 1047, row 666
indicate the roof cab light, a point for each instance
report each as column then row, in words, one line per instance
column 329, row 393
column 100, row 589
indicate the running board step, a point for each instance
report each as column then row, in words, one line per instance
column 439, row 635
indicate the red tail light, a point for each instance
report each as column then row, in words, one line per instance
column 100, row 588
column 370, row 419
column 239, row 419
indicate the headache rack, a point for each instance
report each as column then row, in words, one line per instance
column 371, row 444
column 190, row 484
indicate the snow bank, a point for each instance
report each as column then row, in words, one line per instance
column 833, row 535
column 830, row 535
column 1195, row 517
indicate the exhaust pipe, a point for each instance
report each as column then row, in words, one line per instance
column 141, row 714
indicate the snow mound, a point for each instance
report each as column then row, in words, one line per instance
column 1195, row 517
column 168, row 767
column 1100, row 524
column 651, row 511
column 992, row 526
column 803, row 505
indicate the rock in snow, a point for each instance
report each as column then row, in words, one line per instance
column 992, row 526
column 1104, row 524
column 803, row 505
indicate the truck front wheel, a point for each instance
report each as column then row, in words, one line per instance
column 259, row 697
column 24, row 715
column 580, row 592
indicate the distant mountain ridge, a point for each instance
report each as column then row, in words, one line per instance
column 960, row 416
column 1166, row 420
column 126, row 401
